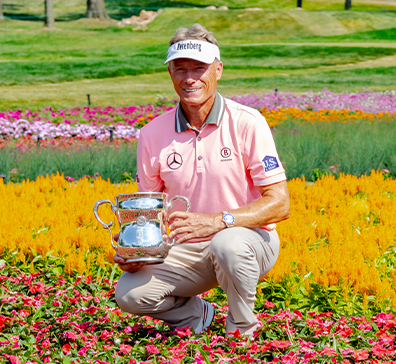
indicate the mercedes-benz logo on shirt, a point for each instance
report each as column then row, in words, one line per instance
column 174, row 161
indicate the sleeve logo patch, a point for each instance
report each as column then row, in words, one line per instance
column 270, row 163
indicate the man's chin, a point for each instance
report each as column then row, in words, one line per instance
column 191, row 101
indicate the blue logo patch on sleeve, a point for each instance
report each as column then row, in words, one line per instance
column 270, row 163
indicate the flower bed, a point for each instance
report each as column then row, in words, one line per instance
column 50, row 318
column 329, row 299
column 341, row 234
column 366, row 101
column 125, row 122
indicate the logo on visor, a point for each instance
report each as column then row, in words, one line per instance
column 181, row 46
column 174, row 161
column 270, row 163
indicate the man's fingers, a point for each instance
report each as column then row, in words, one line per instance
column 178, row 215
column 116, row 236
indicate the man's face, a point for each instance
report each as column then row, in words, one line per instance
column 195, row 82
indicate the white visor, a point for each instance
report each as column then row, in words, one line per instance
column 194, row 49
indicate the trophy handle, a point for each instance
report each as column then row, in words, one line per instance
column 182, row 198
column 105, row 226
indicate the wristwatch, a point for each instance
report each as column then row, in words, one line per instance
column 228, row 219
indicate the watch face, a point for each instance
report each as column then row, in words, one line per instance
column 229, row 219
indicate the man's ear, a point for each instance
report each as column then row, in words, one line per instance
column 219, row 69
column 169, row 69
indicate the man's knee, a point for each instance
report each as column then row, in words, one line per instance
column 130, row 298
column 229, row 248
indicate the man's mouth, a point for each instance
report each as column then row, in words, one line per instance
column 191, row 89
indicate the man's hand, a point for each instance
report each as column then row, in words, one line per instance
column 126, row 267
column 272, row 207
column 187, row 225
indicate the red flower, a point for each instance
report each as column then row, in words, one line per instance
column 279, row 344
column 24, row 313
column 37, row 287
column 66, row 349
column 235, row 333
column 105, row 335
column 124, row 348
column 360, row 355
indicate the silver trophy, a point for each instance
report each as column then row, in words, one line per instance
column 143, row 220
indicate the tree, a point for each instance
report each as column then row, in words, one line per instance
column 1, row 11
column 49, row 14
column 348, row 4
column 96, row 9
column 299, row 3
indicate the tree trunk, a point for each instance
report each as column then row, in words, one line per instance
column 96, row 9
column 299, row 3
column 348, row 4
column 49, row 14
column 1, row 11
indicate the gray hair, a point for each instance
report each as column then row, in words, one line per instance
column 195, row 31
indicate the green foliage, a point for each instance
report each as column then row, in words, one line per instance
column 352, row 148
column 304, row 149
column 109, row 162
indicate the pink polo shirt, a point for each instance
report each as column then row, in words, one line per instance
column 218, row 167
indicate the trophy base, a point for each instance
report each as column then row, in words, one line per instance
column 148, row 260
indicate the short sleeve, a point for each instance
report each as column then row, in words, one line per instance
column 148, row 170
column 261, row 157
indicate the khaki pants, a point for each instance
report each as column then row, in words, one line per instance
column 235, row 259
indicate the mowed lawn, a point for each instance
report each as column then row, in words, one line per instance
column 277, row 47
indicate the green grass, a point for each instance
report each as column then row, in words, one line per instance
column 120, row 66
column 388, row 34
column 69, row 65
column 337, row 81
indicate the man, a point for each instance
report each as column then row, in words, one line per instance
column 222, row 157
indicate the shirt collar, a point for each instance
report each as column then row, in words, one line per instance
column 215, row 115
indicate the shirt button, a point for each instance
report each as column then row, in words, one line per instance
column 199, row 158
column 199, row 138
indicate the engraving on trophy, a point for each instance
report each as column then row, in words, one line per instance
column 141, row 221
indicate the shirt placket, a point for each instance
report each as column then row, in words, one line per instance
column 199, row 149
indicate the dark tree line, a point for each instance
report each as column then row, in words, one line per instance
column 95, row 9
column 348, row 4
column 1, row 11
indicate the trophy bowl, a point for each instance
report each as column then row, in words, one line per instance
column 143, row 221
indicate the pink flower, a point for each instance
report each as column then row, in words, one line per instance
column 15, row 340
column 269, row 304
column 152, row 349
column 70, row 335
column 124, row 348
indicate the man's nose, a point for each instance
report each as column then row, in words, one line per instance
column 190, row 77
